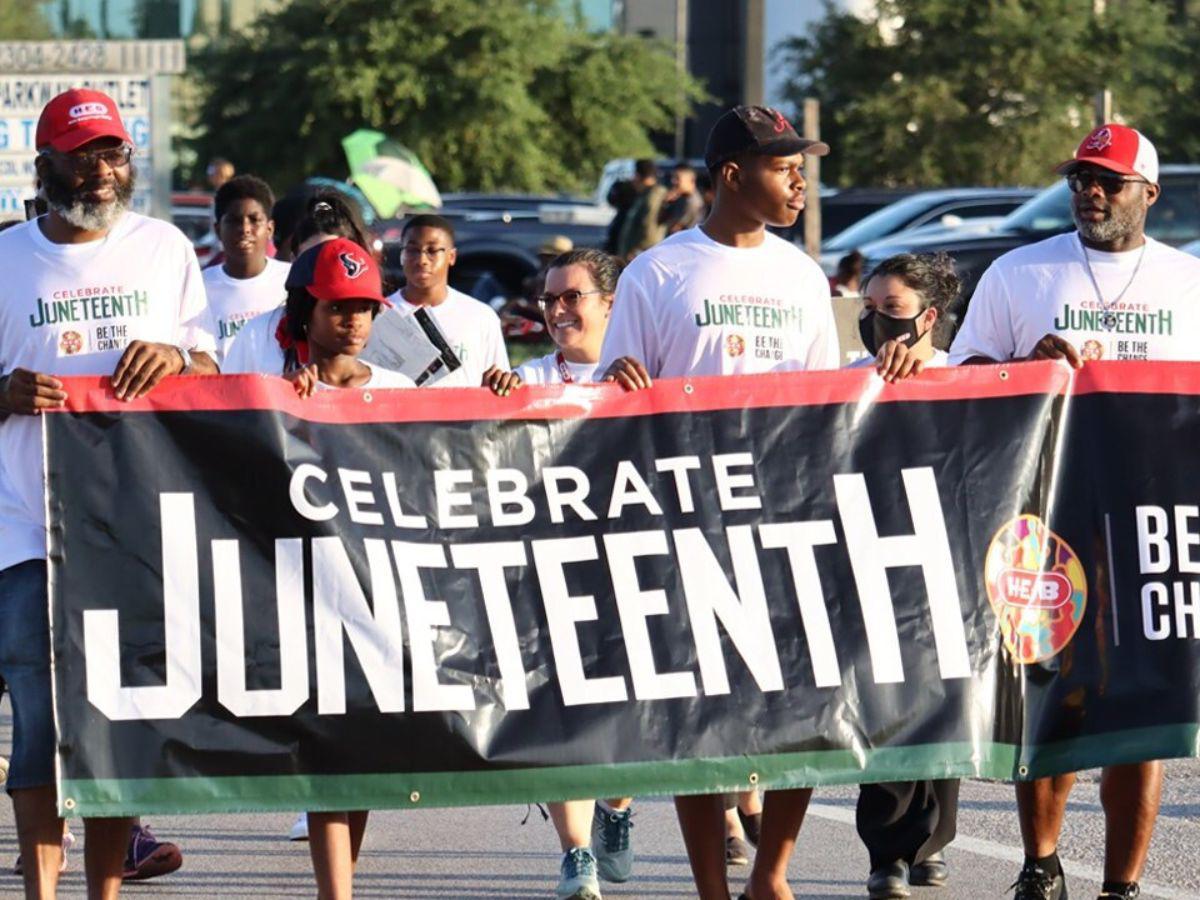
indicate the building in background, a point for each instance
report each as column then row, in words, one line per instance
column 727, row 46
column 118, row 19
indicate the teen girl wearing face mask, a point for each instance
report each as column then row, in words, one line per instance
column 903, row 322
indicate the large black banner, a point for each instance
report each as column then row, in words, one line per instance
column 399, row 598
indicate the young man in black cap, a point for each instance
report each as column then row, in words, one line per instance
column 730, row 298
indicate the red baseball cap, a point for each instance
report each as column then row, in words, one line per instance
column 1118, row 148
column 78, row 116
column 337, row 269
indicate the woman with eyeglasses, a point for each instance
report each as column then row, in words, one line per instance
column 576, row 301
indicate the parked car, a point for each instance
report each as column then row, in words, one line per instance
column 949, row 208
column 192, row 213
column 1174, row 219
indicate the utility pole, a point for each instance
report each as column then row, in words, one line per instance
column 681, row 63
column 753, row 53
column 812, row 178
column 1102, row 104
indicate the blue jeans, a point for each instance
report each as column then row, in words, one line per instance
column 25, row 666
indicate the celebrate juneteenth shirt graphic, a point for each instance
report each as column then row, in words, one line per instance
column 755, row 314
column 81, row 315
column 1126, row 327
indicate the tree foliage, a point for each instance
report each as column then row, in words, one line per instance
column 21, row 20
column 490, row 94
column 987, row 92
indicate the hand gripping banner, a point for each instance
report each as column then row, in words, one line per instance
column 377, row 599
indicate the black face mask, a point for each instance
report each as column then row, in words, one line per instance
column 876, row 329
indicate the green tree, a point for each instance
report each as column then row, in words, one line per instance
column 491, row 94
column 987, row 92
column 22, row 21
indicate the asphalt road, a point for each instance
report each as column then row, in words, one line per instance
column 488, row 854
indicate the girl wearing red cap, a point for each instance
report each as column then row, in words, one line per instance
column 334, row 294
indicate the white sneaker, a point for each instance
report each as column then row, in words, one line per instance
column 299, row 830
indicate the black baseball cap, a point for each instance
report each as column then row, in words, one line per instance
column 756, row 129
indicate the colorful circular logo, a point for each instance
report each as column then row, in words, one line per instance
column 71, row 342
column 1092, row 350
column 735, row 345
column 1037, row 587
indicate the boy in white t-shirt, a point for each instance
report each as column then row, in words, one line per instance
column 90, row 288
column 248, row 282
column 730, row 298
column 471, row 327
column 1104, row 291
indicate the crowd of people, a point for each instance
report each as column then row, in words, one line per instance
column 92, row 288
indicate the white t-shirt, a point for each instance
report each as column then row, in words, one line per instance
column 1044, row 288
column 692, row 306
column 235, row 301
column 472, row 329
column 379, row 378
column 939, row 359
column 255, row 348
column 544, row 370
column 71, row 309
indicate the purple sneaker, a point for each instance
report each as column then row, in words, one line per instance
column 148, row 857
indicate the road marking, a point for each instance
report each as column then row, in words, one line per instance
column 995, row 850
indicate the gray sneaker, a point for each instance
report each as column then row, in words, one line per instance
column 610, row 841
column 577, row 880
column 737, row 852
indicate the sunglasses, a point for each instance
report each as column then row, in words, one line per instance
column 1110, row 182
column 570, row 299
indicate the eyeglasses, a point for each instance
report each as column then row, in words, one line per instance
column 418, row 252
column 112, row 157
column 1110, row 182
column 570, row 299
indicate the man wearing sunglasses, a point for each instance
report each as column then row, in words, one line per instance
column 1105, row 291
column 89, row 288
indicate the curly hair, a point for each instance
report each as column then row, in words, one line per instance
column 933, row 278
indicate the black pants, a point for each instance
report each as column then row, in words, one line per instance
column 908, row 820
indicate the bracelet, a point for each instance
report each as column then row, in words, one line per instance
column 187, row 359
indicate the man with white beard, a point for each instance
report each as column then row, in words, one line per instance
column 1105, row 291
column 90, row 288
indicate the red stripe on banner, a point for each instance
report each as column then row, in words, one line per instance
column 670, row 395
column 1139, row 378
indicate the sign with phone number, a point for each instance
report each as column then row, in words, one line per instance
column 142, row 57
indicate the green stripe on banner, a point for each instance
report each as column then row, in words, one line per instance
column 1135, row 745
column 169, row 796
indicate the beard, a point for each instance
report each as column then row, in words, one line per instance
column 1122, row 222
column 88, row 215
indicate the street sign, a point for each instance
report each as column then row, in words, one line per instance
column 120, row 57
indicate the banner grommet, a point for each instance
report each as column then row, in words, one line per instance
column 415, row 797
column 753, row 778
column 69, row 803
